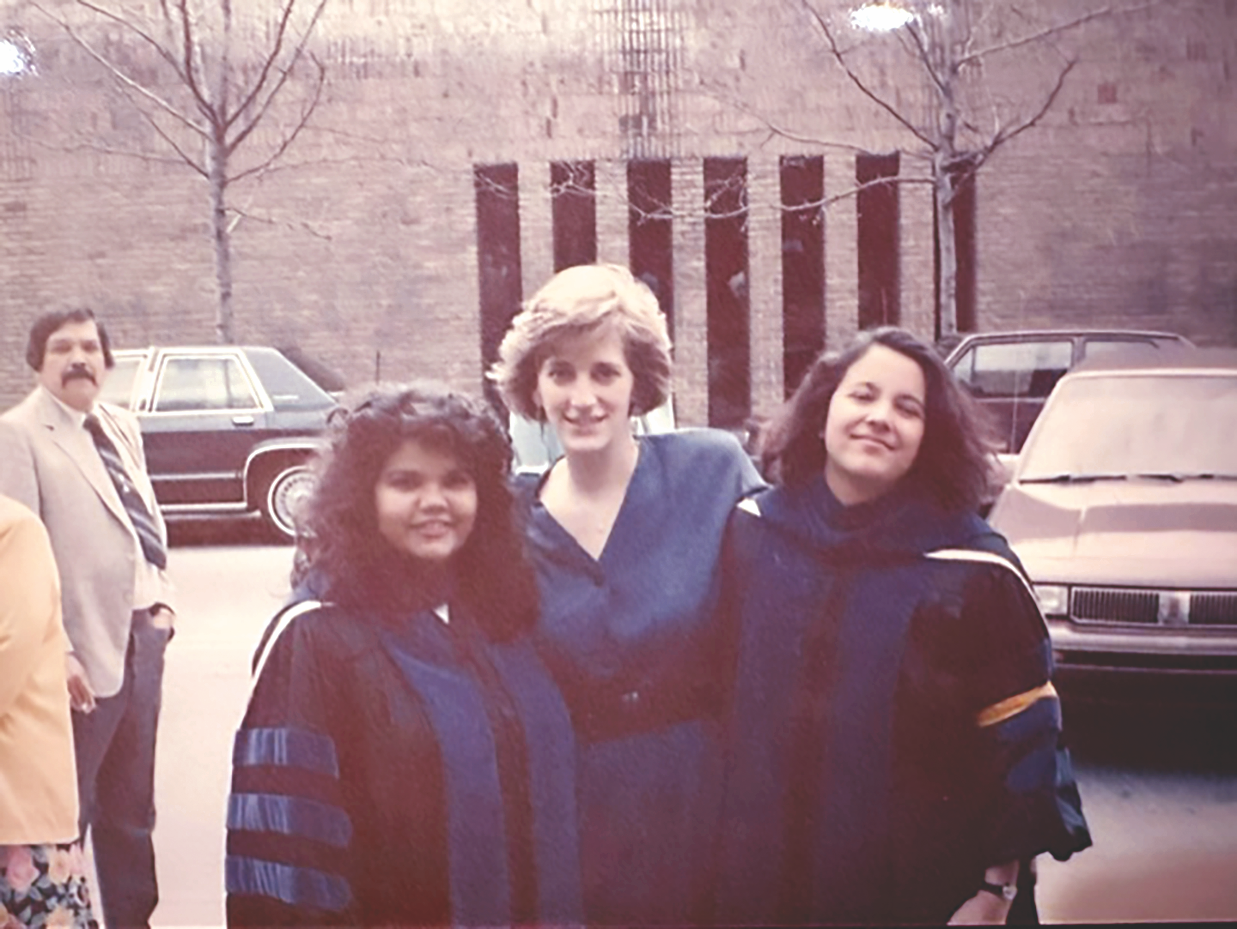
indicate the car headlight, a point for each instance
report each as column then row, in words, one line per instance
column 1053, row 599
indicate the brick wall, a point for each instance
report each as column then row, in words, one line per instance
column 362, row 248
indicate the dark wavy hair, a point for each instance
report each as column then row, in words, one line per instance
column 45, row 325
column 954, row 460
column 344, row 556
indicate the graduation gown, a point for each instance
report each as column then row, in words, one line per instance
column 400, row 772
column 893, row 730
column 633, row 639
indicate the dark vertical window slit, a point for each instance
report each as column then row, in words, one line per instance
column 574, row 203
column 879, row 289
column 727, row 291
column 498, row 256
column 649, row 230
column 803, row 264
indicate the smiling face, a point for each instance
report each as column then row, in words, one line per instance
column 874, row 426
column 73, row 368
column 585, row 387
column 426, row 503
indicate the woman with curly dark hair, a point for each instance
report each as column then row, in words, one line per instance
column 895, row 744
column 405, row 759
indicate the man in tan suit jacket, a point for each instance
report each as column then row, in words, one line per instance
column 95, row 498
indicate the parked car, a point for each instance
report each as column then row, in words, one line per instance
column 227, row 429
column 1123, row 509
column 1012, row 373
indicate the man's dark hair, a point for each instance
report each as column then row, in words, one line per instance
column 45, row 325
column 954, row 459
column 346, row 558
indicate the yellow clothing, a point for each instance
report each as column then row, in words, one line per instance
column 38, row 776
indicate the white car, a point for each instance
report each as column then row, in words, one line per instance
column 1123, row 509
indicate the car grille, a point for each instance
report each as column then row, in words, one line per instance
column 1213, row 609
column 1153, row 607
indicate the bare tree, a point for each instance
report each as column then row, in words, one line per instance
column 966, row 110
column 203, row 89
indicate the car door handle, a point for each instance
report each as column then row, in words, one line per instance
column 242, row 420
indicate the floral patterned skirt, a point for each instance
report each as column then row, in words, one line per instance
column 44, row 885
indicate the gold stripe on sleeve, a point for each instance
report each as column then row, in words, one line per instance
column 1012, row 706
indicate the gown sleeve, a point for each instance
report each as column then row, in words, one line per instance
column 1029, row 801
column 288, row 830
column 747, row 477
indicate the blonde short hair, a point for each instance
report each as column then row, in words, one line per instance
column 575, row 301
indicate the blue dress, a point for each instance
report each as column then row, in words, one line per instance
column 634, row 641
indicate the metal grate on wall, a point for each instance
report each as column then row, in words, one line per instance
column 16, row 159
column 642, row 49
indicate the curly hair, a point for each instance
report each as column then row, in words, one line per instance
column 953, row 462
column 342, row 548
column 579, row 300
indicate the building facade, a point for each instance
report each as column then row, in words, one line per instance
column 463, row 152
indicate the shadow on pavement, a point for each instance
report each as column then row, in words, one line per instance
column 1167, row 737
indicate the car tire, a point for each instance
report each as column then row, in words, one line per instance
column 287, row 489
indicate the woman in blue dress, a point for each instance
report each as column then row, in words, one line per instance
column 625, row 534
column 896, row 752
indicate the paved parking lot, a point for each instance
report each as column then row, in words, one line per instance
column 1160, row 790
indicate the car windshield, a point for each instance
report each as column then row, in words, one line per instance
column 1173, row 427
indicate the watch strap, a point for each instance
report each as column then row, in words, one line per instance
column 1006, row 892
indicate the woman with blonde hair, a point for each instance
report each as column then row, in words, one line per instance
column 625, row 534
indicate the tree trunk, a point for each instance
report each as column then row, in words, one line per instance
column 222, row 236
column 944, row 160
column 944, row 187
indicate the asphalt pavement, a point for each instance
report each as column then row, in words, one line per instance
column 1159, row 784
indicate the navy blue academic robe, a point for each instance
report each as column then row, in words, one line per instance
column 894, row 730
column 401, row 772
column 634, row 641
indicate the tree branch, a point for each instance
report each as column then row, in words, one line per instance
column 974, row 57
column 101, row 149
column 267, row 63
column 1005, row 134
column 290, row 137
column 271, row 61
column 858, row 82
column 122, row 78
column 925, row 59
column 781, row 131
column 184, row 156
column 124, row 23
column 303, row 226
column 203, row 101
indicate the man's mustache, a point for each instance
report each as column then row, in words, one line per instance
column 77, row 371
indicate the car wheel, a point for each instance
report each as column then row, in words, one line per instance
column 285, row 494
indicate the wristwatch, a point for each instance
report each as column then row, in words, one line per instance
column 1006, row 892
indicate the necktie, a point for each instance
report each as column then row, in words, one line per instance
column 143, row 524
